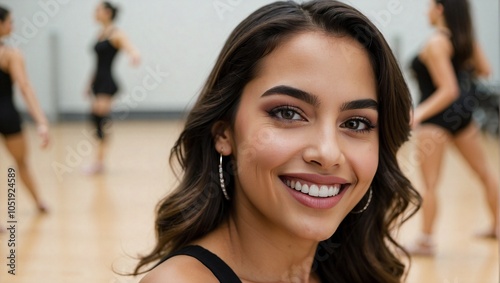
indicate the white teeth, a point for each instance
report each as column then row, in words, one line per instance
column 298, row 186
column 336, row 189
column 305, row 189
column 323, row 191
column 314, row 190
column 331, row 191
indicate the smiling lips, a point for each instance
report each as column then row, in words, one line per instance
column 315, row 185
column 314, row 190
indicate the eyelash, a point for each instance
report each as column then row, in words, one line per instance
column 275, row 114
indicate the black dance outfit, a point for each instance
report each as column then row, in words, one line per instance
column 10, row 120
column 103, row 81
column 218, row 267
column 456, row 116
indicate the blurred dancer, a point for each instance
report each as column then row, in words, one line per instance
column 103, row 85
column 445, row 69
column 12, row 71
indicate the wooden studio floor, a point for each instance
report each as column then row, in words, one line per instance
column 98, row 223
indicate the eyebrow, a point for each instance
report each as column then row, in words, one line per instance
column 313, row 100
column 293, row 92
column 359, row 104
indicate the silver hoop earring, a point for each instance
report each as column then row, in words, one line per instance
column 366, row 205
column 222, row 182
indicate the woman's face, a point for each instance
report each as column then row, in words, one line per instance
column 434, row 12
column 102, row 14
column 6, row 26
column 305, row 137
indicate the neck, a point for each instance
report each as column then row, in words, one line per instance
column 266, row 254
column 106, row 25
column 441, row 25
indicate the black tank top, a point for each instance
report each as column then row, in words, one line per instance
column 106, row 52
column 5, row 85
column 424, row 79
column 218, row 267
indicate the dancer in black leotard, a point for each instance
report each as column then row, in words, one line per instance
column 444, row 69
column 103, row 80
column 12, row 71
column 448, row 119
column 103, row 85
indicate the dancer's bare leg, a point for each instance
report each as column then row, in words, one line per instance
column 16, row 145
column 470, row 145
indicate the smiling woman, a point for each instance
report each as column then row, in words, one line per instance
column 288, row 158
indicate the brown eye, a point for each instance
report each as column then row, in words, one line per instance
column 286, row 113
column 358, row 124
column 353, row 124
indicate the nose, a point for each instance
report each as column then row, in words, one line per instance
column 324, row 148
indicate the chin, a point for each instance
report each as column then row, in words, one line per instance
column 318, row 232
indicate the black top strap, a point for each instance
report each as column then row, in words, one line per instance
column 218, row 267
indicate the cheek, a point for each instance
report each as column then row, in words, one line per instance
column 363, row 159
column 265, row 147
column 260, row 148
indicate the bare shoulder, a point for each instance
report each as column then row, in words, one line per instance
column 438, row 45
column 180, row 269
column 117, row 37
column 12, row 53
column 9, row 56
column 117, row 34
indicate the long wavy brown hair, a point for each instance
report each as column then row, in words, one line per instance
column 362, row 249
column 459, row 21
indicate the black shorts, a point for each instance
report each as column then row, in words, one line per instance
column 104, row 85
column 10, row 120
column 458, row 115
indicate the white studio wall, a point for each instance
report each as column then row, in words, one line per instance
column 179, row 42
